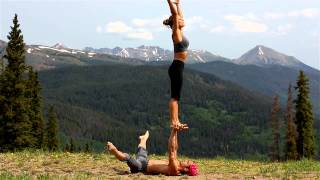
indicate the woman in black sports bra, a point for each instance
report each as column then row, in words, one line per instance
column 180, row 44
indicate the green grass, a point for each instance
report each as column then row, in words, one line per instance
column 44, row 165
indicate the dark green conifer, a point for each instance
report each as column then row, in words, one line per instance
column 275, row 147
column 34, row 110
column 67, row 148
column 304, row 119
column 52, row 131
column 72, row 146
column 15, row 133
column 291, row 145
column 87, row 148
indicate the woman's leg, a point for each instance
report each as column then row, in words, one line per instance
column 174, row 115
column 176, row 80
column 118, row 154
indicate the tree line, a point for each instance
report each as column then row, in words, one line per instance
column 300, row 139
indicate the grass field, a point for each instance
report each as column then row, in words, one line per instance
column 45, row 165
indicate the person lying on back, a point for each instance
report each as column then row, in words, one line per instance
column 170, row 167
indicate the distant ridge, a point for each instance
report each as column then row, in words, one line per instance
column 44, row 57
column 155, row 53
column 263, row 56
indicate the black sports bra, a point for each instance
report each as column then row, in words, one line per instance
column 181, row 46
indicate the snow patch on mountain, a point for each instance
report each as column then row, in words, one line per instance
column 260, row 51
column 54, row 49
column 29, row 50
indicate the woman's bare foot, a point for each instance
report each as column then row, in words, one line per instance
column 145, row 136
column 111, row 147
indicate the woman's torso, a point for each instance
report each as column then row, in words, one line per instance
column 180, row 49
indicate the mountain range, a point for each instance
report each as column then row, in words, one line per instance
column 45, row 57
column 260, row 69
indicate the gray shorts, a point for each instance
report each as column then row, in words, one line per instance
column 140, row 163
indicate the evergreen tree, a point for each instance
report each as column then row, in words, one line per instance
column 52, row 131
column 291, row 145
column 15, row 133
column 87, row 148
column 304, row 119
column 67, row 148
column 275, row 147
column 72, row 146
column 34, row 110
column 1, row 65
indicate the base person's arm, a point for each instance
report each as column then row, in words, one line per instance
column 173, row 148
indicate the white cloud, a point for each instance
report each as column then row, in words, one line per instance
column 274, row 15
column 283, row 29
column 117, row 27
column 148, row 23
column 218, row 29
column 140, row 34
column 194, row 20
column 310, row 13
column 128, row 31
column 243, row 24
column 305, row 13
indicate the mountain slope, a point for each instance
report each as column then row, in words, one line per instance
column 270, row 80
column 222, row 116
column 264, row 57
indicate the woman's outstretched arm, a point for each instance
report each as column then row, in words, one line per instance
column 179, row 10
column 173, row 8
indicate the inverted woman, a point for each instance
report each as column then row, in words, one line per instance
column 180, row 44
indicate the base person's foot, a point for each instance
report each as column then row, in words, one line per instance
column 145, row 136
column 110, row 146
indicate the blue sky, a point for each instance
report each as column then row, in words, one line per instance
column 225, row 27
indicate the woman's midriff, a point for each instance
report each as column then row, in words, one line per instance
column 182, row 56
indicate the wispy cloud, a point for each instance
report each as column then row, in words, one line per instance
column 119, row 27
column 304, row 13
column 218, row 29
column 243, row 24
column 282, row 29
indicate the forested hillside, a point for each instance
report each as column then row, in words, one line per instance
column 118, row 102
column 270, row 80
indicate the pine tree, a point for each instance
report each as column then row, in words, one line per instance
column 67, row 148
column 304, row 119
column 87, row 148
column 1, row 65
column 72, row 146
column 291, row 145
column 275, row 147
column 34, row 110
column 52, row 140
column 15, row 133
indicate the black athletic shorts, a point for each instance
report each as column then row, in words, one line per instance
column 176, row 77
column 140, row 163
